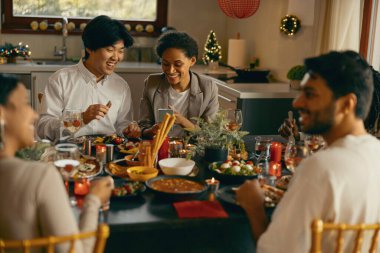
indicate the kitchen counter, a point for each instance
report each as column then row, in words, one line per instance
column 258, row 90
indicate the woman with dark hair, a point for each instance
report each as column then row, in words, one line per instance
column 187, row 93
column 34, row 198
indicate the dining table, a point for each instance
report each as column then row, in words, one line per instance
column 149, row 223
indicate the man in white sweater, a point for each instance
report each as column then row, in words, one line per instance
column 338, row 184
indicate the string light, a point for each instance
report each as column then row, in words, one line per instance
column 8, row 50
column 213, row 52
column 290, row 25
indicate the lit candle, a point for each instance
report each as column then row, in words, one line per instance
column 101, row 153
column 174, row 148
column 81, row 187
column 275, row 151
column 275, row 169
column 213, row 184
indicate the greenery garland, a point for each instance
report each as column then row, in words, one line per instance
column 290, row 25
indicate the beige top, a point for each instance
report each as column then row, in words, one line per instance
column 34, row 203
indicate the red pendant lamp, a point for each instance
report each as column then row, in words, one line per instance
column 239, row 8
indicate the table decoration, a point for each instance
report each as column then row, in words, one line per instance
column 81, row 187
column 213, row 138
column 200, row 209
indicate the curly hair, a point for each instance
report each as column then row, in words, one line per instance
column 179, row 40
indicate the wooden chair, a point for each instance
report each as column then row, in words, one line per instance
column 49, row 243
column 318, row 227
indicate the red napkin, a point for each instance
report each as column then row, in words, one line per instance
column 200, row 209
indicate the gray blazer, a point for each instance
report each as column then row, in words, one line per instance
column 203, row 101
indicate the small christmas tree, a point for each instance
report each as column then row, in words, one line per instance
column 213, row 52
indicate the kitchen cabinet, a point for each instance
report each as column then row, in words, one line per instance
column 264, row 106
column 39, row 81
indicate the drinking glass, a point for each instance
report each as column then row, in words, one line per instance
column 72, row 121
column 294, row 153
column 235, row 120
column 262, row 148
column 66, row 160
column 314, row 143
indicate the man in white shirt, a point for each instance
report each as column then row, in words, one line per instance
column 91, row 86
column 339, row 184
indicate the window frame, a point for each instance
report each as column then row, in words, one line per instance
column 21, row 25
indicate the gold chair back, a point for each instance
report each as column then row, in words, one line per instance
column 49, row 243
column 318, row 227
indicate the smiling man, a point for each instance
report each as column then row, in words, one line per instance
column 92, row 87
column 339, row 184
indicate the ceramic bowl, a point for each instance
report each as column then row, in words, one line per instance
column 134, row 162
column 141, row 173
column 176, row 166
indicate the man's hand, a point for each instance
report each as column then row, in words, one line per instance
column 132, row 131
column 250, row 197
column 95, row 111
column 287, row 128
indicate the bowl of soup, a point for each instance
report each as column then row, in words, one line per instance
column 177, row 187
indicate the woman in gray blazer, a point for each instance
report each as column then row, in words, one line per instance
column 187, row 93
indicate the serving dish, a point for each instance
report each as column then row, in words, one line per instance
column 227, row 178
column 125, row 189
column 176, row 166
column 178, row 195
column 141, row 173
column 117, row 168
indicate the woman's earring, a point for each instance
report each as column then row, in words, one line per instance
column 2, row 133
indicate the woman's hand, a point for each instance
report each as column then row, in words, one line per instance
column 132, row 130
column 181, row 120
column 150, row 132
column 102, row 188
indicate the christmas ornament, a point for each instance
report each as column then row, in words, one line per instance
column 290, row 25
column 44, row 25
column 71, row 26
column 58, row 26
column 213, row 52
column 139, row 28
column 149, row 28
column 82, row 26
column 128, row 27
column 239, row 8
column 34, row 25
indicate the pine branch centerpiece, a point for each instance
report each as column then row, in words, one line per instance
column 214, row 133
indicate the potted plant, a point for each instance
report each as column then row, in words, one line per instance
column 213, row 139
column 295, row 75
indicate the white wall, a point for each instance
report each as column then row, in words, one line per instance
column 276, row 51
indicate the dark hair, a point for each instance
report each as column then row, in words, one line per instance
column 345, row 72
column 103, row 31
column 7, row 84
column 179, row 40
column 374, row 111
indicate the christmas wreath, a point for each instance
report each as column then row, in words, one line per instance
column 290, row 25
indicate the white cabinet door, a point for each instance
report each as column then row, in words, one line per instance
column 136, row 84
column 39, row 81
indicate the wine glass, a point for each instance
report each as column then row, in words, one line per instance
column 72, row 121
column 235, row 119
column 295, row 152
column 67, row 161
column 314, row 143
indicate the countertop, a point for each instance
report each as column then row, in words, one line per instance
column 239, row 90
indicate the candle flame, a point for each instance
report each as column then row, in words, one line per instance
column 212, row 180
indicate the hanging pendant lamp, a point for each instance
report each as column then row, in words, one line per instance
column 239, row 8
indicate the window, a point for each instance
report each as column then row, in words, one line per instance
column 17, row 15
